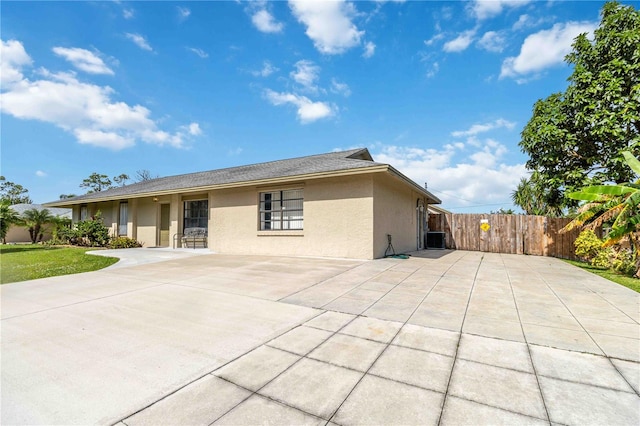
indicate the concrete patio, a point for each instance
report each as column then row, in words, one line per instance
column 441, row 338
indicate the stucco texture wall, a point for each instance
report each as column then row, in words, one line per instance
column 338, row 221
column 394, row 214
column 20, row 234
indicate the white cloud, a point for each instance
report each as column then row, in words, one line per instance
column 437, row 37
column 526, row 21
column 128, row 13
column 340, row 88
column 40, row 173
column 492, row 41
column 13, row 58
column 431, row 72
column 308, row 111
column 483, row 9
column 545, row 49
column 140, row 41
column 484, row 127
column 266, row 71
column 482, row 178
column 103, row 139
column 265, row 22
column 306, row 75
column 193, row 129
column 183, row 13
column 201, row 53
column 83, row 59
column 328, row 24
column 83, row 109
column 461, row 42
column 369, row 49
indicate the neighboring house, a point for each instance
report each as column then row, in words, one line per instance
column 20, row 234
column 340, row 204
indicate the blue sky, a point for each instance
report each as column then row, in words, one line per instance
column 439, row 90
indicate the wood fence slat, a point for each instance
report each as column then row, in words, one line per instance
column 518, row 234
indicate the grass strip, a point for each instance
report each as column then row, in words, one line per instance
column 21, row 262
column 629, row 282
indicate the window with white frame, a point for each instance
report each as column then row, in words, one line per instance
column 84, row 213
column 281, row 210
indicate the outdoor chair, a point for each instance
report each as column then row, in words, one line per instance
column 191, row 238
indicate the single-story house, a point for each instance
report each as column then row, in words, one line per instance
column 20, row 234
column 340, row 204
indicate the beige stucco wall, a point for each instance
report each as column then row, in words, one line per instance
column 346, row 217
column 395, row 214
column 338, row 221
column 20, row 234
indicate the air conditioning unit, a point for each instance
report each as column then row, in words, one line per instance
column 435, row 240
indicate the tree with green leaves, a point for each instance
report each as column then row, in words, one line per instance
column 533, row 198
column 13, row 193
column 576, row 138
column 35, row 221
column 66, row 196
column 96, row 182
column 502, row 210
column 8, row 217
column 121, row 179
column 613, row 204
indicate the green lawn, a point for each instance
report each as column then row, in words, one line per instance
column 22, row 262
column 632, row 283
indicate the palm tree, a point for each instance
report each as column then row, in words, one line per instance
column 8, row 216
column 35, row 221
column 531, row 196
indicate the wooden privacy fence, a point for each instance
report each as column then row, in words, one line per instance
column 505, row 233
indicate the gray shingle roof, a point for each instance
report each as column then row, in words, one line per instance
column 314, row 164
column 60, row 212
column 322, row 163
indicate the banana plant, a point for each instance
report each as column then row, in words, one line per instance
column 611, row 203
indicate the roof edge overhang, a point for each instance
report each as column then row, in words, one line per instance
column 432, row 199
column 243, row 184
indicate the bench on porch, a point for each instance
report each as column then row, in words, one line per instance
column 191, row 238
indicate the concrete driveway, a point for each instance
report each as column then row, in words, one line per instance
column 441, row 338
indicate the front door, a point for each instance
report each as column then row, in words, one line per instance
column 164, row 225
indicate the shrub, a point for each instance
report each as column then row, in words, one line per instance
column 92, row 232
column 588, row 245
column 65, row 236
column 622, row 261
column 123, row 242
column 61, row 228
column 603, row 258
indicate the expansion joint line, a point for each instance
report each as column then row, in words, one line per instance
column 583, row 328
column 395, row 335
column 455, row 355
column 210, row 373
column 320, row 282
column 360, row 285
column 524, row 336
